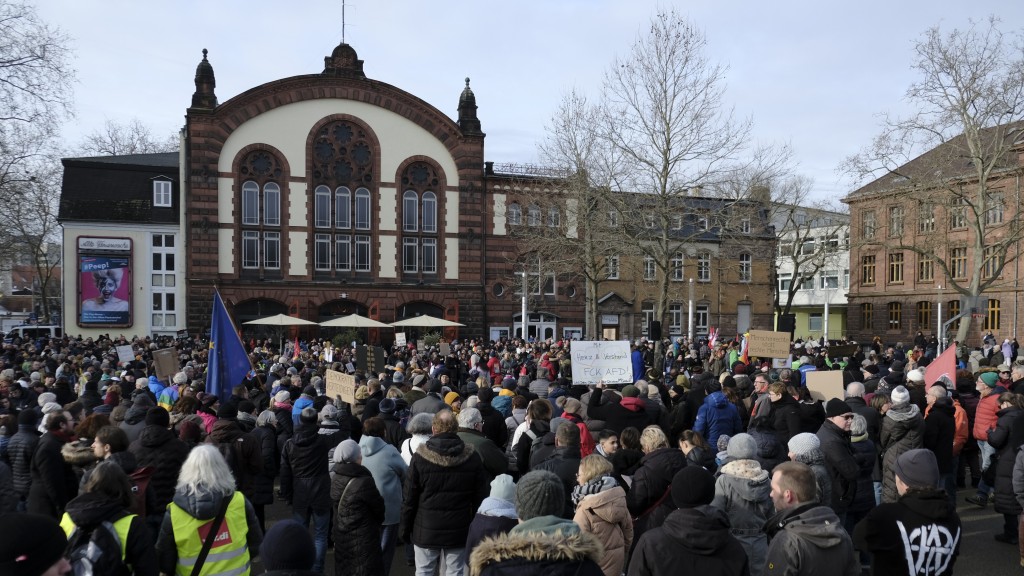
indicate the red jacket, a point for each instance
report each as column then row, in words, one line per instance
column 985, row 418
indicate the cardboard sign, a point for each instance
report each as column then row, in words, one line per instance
column 125, row 354
column 166, row 362
column 782, row 362
column 768, row 344
column 445, row 349
column 400, row 339
column 370, row 359
column 341, row 384
column 842, row 351
column 825, row 385
column 594, row 362
column 421, row 345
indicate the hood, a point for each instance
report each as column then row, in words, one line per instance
column 746, row 470
column 748, row 480
column 91, row 508
column 370, row 445
column 226, row 431
column 136, row 414
column 445, row 450
column 199, row 505
column 126, row 460
column 154, row 436
column 492, row 506
column 78, row 453
column 633, row 404
column 903, row 413
column 819, row 526
column 564, row 543
column 717, row 400
column 932, row 504
column 703, row 530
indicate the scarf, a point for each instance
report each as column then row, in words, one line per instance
column 595, row 486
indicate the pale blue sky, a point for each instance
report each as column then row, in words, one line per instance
column 811, row 73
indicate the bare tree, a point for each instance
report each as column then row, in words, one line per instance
column 133, row 137
column 29, row 222
column 970, row 108
column 36, row 82
column 664, row 114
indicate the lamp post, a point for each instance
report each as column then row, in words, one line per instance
column 942, row 333
column 689, row 310
column 523, row 311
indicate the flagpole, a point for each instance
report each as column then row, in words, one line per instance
column 234, row 329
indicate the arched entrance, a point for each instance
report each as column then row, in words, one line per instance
column 413, row 310
column 254, row 309
column 338, row 308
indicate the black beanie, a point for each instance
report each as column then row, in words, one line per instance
column 30, row 544
column 27, row 417
column 157, row 416
column 227, row 411
column 287, row 546
column 693, row 486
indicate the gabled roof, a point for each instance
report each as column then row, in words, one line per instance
column 613, row 294
column 948, row 162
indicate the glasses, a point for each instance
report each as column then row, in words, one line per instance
column 848, row 416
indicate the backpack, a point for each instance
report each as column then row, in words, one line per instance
column 510, row 449
column 95, row 552
column 140, row 483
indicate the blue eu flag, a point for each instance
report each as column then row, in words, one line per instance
column 228, row 361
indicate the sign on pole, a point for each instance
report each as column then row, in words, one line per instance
column 341, row 384
column 594, row 362
column 125, row 354
column 400, row 339
column 166, row 361
column 768, row 344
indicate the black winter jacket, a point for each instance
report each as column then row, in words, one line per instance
column 263, row 483
column 616, row 416
column 651, row 483
column 305, row 480
column 358, row 518
column 785, row 418
column 443, row 489
column 690, row 541
column 939, row 429
column 564, row 463
column 160, row 448
column 245, row 450
column 1006, row 438
column 53, row 481
column 19, row 453
column 842, row 466
column 926, row 517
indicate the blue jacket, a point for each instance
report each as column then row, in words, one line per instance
column 156, row 386
column 717, row 416
column 638, row 365
column 388, row 470
column 303, row 402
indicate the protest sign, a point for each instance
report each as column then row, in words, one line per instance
column 825, row 385
column 341, row 384
column 594, row 362
column 125, row 354
column 166, row 361
column 400, row 339
column 768, row 344
column 445, row 349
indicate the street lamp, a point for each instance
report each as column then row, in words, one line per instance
column 523, row 311
column 689, row 309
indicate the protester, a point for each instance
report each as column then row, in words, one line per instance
column 743, row 492
column 903, row 429
column 32, row 545
column 288, row 550
column 359, row 514
column 306, row 482
column 53, row 481
column 601, row 511
column 388, row 470
column 649, row 497
column 496, row 514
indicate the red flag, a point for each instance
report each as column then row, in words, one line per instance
column 295, row 354
column 944, row 365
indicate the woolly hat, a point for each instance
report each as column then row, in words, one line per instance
column 30, row 544
column 308, row 415
column 742, row 447
column 503, row 488
column 157, row 416
column 915, row 375
column 900, row 396
column 347, row 451
column 282, row 397
column 287, row 546
column 989, row 378
column 51, row 407
column 693, row 486
column 722, row 444
column 309, row 390
column 539, row 493
column 387, row 406
column 571, row 405
column 508, row 383
column 397, row 377
column 918, row 468
column 452, row 397
column 432, row 386
column 803, row 443
column 419, row 379
column 362, row 392
column 897, row 366
column 329, row 412
column 872, row 369
column 630, row 391
column 836, row 407
column 485, row 394
column 227, row 412
column 51, row 397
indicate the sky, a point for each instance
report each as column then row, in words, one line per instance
column 815, row 75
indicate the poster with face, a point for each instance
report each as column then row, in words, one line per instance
column 106, row 290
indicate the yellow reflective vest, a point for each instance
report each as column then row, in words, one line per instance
column 229, row 555
column 121, row 526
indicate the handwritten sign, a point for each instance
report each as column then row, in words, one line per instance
column 825, row 385
column 768, row 344
column 125, row 354
column 341, row 384
column 400, row 339
column 594, row 362
column 166, row 361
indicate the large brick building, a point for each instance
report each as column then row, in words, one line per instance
column 331, row 193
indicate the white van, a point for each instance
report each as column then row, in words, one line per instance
column 33, row 332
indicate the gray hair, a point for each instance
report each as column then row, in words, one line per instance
column 206, row 471
column 859, row 425
column 266, row 417
column 470, row 418
column 855, row 390
column 420, row 424
column 938, row 391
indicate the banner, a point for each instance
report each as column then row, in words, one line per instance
column 229, row 363
column 594, row 362
column 105, row 288
column 768, row 344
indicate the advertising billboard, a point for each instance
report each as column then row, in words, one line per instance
column 105, row 290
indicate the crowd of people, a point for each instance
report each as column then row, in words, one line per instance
column 488, row 459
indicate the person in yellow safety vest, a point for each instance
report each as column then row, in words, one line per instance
column 106, row 497
column 204, row 484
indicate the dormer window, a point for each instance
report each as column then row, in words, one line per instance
column 161, row 194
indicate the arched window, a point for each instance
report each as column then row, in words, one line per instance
column 422, row 183
column 343, row 162
column 533, row 215
column 515, row 214
column 554, row 217
column 260, row 235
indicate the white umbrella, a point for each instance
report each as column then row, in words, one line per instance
column 354, row 321
column 427, row 322
column 281, row 320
